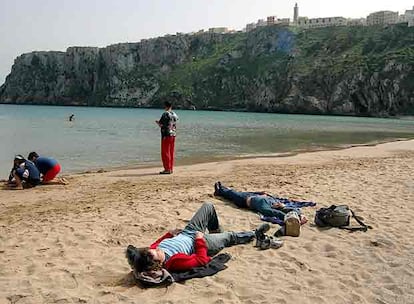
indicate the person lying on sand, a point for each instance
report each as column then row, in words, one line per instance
column 24, row 174
column 182, row 250
column 263, row 203
column 48, row 167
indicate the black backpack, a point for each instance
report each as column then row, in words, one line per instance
column 340, row 217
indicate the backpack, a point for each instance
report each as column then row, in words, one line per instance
column 339, row 217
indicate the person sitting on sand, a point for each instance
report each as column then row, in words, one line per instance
column 23, row 174
column 182, row 250
column 47, row 166
column 263, row 203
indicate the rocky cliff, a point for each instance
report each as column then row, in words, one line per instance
column 343, row 70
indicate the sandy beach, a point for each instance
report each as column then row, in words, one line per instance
column 66, row 244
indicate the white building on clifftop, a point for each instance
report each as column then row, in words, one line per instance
column 376, row 18
column 304, row 22
column 409, row 17
column 356, row 22
column 271, row 20
column 261, row 22
column 382, row 18
column 218, row 30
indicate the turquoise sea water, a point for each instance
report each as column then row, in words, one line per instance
column 114, row 137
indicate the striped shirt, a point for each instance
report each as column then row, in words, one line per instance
column 182, row 243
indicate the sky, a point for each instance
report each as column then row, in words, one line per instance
column 42, row 25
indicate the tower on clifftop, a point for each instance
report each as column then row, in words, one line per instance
column 296, row 13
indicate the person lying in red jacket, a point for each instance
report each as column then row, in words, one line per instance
column 182, row 250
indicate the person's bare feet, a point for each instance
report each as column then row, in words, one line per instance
column 57, row 181
column 303, row 220
column 13, row 187
column 63, row 181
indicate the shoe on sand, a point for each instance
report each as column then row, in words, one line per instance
column 280, row 232
column 166, row 172
column 260, row 233
column 270, row 242
column 292, row 224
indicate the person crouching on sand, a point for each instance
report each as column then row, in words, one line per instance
column 47, row 166
column 23, row 174
column 182, row 250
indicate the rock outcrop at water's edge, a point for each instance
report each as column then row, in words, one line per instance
column 344, row 70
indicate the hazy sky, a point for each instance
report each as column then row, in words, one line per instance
column 28, row 25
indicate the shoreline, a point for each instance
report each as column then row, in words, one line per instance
column 207, row 160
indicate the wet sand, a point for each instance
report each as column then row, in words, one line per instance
column 65, row 244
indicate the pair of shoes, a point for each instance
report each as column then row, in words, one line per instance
column 260, row 233
column 270, row 242
column 280, row 232
column 166, row 172
column 292, row 224
column 217, row 187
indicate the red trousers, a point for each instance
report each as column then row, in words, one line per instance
column 51, row 174
column 167, row 152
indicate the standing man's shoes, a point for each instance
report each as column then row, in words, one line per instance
column 166, row 172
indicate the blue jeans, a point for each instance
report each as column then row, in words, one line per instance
column 263, row 205
column 238, row 198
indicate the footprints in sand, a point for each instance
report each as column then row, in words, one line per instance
column 66, row 279
column 15, row 298
column 70, row 249
column 330, row 251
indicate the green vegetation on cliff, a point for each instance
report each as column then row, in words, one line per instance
column 339, row 70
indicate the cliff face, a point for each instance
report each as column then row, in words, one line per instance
column 351, row 71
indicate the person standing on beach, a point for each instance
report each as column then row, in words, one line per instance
column 168, row 126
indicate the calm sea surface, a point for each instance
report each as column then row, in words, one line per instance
column 110, row 137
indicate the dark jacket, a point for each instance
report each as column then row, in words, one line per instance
column 168, row 124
